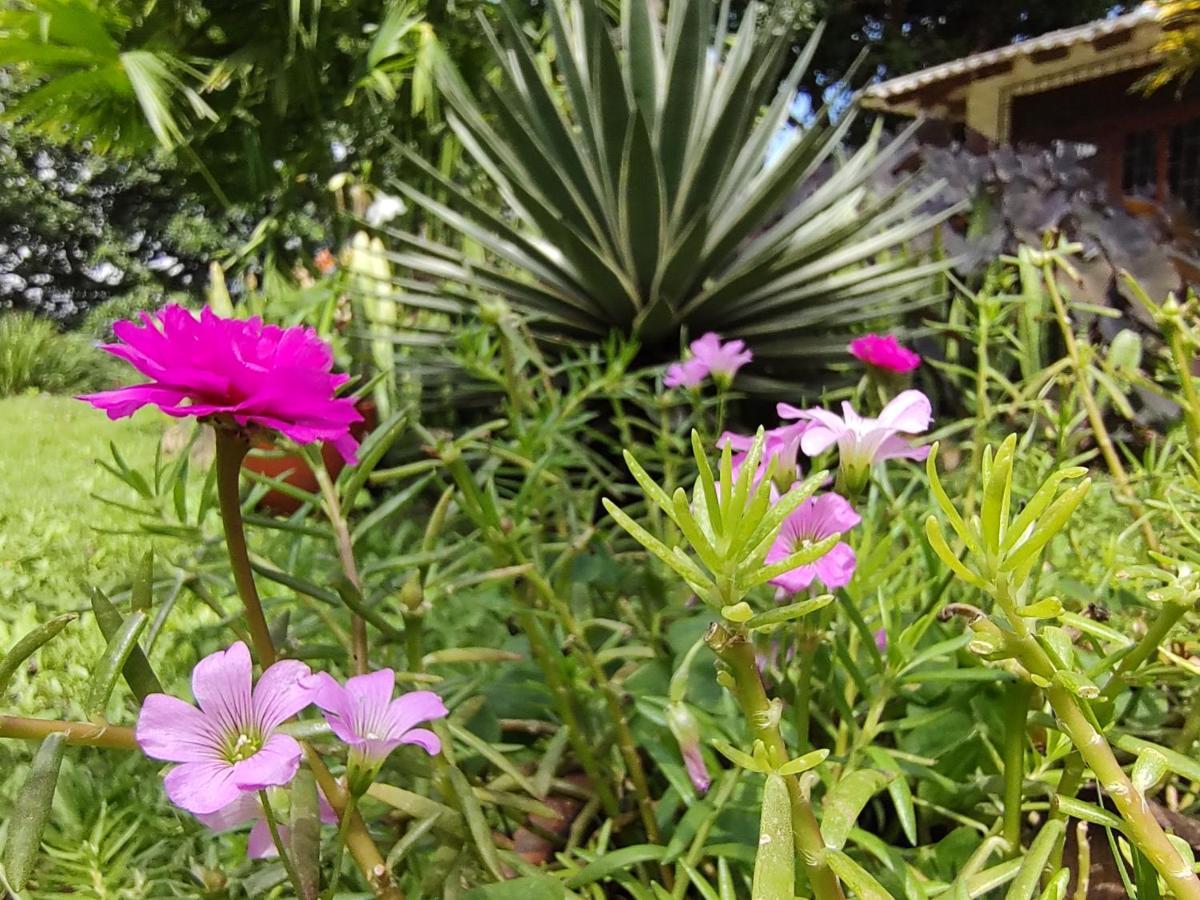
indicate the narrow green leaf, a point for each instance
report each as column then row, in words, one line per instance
column 142, row 593
column 120, row 646
column 775, row 860
column 33, row 801
column 477, row 825
column 933, row 533
column 30, row 644
column 138, row 672
column 997, row 492
column 788, row 613
column 305, row 833
column 845, row 801
column 1030, row 873
column 1050, row 524
column 858, row 879
column 615, row 862
column 899, row 791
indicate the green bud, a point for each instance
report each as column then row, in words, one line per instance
column 1125, row 351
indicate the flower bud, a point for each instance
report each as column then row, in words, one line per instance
column 686, row 730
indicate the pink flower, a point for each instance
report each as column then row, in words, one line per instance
column 230, row 744
column 248, row 808
column 884, row 352
column 780, row 444
column 709, row 357
column 863, row 441
column 233, row 370
column 363, row 714
column 816, row 519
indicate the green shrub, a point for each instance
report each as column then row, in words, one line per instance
column 36, row 356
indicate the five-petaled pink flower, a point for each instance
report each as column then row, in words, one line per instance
column 237, row 371
column 864, row 441
column 363, row 714
column 817, row 518
column 231, row 744
column 248, row 808
column 709, row 357
column 884, row 352
column 781, row 444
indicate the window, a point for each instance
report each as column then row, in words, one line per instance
column 1139, row 176
column 1183, row 165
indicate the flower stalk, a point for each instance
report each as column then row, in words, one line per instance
column 231, row 449
column 762, row 719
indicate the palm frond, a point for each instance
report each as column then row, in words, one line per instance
column 652, row 181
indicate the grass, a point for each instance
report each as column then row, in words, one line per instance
column 56, row 537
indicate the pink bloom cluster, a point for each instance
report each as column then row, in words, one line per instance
column 862, row 442
column 709, row 356
column 230, row 746
column 884, row 352
column 238, row 371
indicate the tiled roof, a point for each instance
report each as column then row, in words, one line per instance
column 1064, row 38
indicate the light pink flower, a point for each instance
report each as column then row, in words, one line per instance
column 709, row 357
column 236, row 370
column 780, row 444
column 363, row 714
column 817, row 518
column 248, row 808
column 231, row 743
column 863, row 441
column 884, row 352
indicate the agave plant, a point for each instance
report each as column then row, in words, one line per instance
column 654, row 179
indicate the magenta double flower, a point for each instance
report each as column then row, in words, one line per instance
column 238, row 371
column 230, row 745
column 884, row 352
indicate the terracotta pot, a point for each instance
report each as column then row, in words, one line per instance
column 293, row 470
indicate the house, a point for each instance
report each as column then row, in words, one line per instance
column 1076, row 85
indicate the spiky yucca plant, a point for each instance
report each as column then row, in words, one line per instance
column 653, row 178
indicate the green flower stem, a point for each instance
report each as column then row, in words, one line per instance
column 284, row 856
column 1016, row 711
column 1144, row 830
column 543, row 655
column 1183, row 369
column 1092, row 407
column 736, row 652
column 612, row 700
column 806, row 647
column 79, row 734
column 339, row 844
column 345, row 551
column 232, row 447
column 1167, row 617
column 358, row 840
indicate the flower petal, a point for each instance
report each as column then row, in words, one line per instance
column 275, row 764
column 201, row 787
column 221, row 685
column 423, row 738
column 175, row 731
column 909, row 411
column 244, row 809
column 411, row 708
column 836, row 568
column 259, row 844
column 281, row 692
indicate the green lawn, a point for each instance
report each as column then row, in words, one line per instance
column 52, row 529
